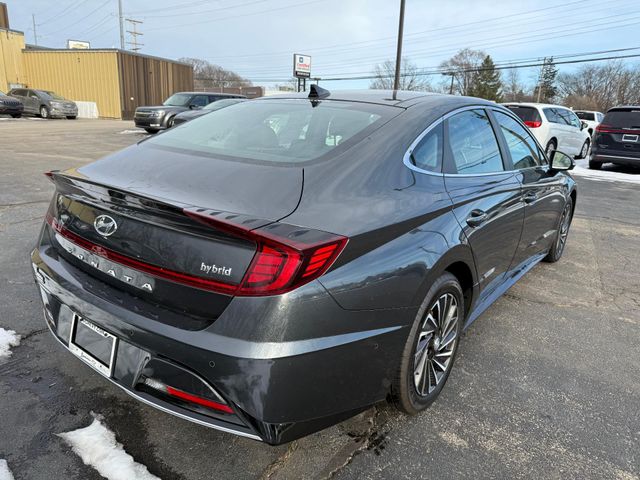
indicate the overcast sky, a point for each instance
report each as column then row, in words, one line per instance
column 257, row 38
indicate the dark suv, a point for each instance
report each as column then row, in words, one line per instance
column 617, row 138
column 154, row 119
column 10, row 106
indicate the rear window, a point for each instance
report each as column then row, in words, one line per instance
column 622, row 118
column 586, row 115
column 526, row 114
column 281, row 131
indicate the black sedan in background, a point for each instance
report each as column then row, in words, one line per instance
column 10, row 106
column 212, row 107
column 276, row 267
column 154, row 119
column 44, row 103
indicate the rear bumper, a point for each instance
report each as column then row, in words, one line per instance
column 617, row 158
column 279, row 390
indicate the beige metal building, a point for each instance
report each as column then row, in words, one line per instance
column 117, row 81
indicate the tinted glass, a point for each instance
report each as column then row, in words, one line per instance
column 526, row 114
column 428, row 153
column 565, row 116
column 523, row 149
column 622, row 118
column 177, row 100
column 551, row 115
column 282, row 131
column 199, row 100
column 473, row 144
column 586, row 115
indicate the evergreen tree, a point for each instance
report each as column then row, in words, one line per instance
column 487, row 82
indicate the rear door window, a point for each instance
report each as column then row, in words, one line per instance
column 473, row 144
column 199, row 100
column 522, row 147
column 552, row 115
column 586, row 115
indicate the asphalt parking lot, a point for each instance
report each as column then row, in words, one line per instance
column 546, row 384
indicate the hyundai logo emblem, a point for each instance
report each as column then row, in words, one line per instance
column 105, row 225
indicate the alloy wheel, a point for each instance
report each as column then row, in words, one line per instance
column 44, row 113
column 563, row 230
column 436, row 344
column 585, row 149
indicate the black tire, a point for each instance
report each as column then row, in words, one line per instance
column 44, row 112
column 562, row 232
column 550, row 148
column 16, row 115
column 71, row 117
column 405, row 389
column 151, row 130
column 170, row 122
column 584, row 152
column 595, row 165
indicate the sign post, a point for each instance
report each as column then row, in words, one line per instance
column 301, row 70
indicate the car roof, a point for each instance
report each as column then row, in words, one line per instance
column 534, row 104
column 624, row 107
column 214, row 93
column 402, row 98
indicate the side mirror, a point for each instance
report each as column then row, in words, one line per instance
column 583, row 125
column 561, row 161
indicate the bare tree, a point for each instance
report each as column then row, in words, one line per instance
column 601, row 86
column 410, row 77
column 207, row 75
column 514, row 90
column 461, row 66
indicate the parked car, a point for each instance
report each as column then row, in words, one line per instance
column 10, row 106
column 212, row 107
column 44, row 103
column 555, row 127
column 591, row 118
column 154, row 119
column 617, row 138
column 270, row 284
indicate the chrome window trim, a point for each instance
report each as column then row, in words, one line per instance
column 407, row 156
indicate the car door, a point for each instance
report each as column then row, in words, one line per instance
column 486, row 194
column 33, row 102
column 578, row 131
column 21, row 94
column 543, row 191
column 572, row 140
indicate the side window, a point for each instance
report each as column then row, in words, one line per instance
column 564, row 116
column 213, row 99
column 199, row 100
column 523, row 149
column 473, row 143
column 427, row 155
column 551, row 115
column 33, row 94
column 575, row 121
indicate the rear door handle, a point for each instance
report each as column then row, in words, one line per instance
column 530, row 197
column 477, row 218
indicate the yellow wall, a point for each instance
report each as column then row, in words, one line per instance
column 11, row 64
column 90, row 76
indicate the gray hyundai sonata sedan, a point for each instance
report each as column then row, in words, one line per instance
column 279, row 265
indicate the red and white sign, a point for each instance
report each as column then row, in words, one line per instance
column 301, row 65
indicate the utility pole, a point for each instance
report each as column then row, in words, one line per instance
column 35, row 32
column 135, row 45
column 540, row 80
column 121, row 20
column 396, row 81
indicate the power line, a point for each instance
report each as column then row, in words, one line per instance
column 92, row 12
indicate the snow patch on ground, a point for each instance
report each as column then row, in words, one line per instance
column 8, row 339
column 5, row 473
column 132, row 132
column 604, row 175
column 97, row 447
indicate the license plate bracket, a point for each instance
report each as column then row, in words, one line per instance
column 629, row 138
column 93, row 345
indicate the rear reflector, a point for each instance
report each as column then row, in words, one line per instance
column 186, row 396
column 286, row 256
column 533, row 124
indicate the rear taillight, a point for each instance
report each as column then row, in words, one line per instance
column 610, row 129
column 603, row 128
column 185, row 396
column 532, row 124
column 286, row 256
